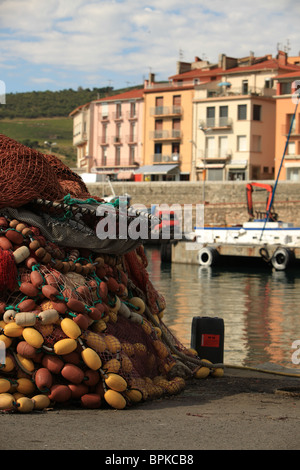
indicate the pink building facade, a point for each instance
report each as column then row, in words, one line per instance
column 108, row 134
column 117, row 134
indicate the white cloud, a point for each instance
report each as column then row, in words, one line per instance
column 127, row 37
column 42, row 80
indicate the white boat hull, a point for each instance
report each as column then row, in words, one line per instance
column 251, row 233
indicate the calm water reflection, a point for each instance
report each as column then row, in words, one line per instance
column 261, row 310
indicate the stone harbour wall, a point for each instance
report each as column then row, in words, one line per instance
column 226, row 202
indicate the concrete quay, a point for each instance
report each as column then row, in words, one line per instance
column 243, row 410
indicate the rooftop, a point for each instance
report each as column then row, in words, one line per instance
column 250, row 64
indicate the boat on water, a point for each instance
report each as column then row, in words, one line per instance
column 263, row 235
column 278, row 243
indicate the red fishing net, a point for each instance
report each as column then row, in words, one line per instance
column 27, row 174
column 8, row 270
column 79, row 326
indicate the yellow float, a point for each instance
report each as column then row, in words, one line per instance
column 115, row 382
column 115, row 399
column 33, row 337
column 12, row 330
column 112, row 344
column 65, row 346
column 7, row 401
column 91, row 358
column 70, row 328
column 40, row 401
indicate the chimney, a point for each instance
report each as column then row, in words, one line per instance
column 220, row 61
column 282, row 58
column 151, row 78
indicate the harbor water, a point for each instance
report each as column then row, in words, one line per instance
column 260, row 308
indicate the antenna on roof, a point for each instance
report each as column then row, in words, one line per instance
column 287, row 47
column 181, row 54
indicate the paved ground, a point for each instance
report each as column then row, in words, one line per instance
column 240, row 411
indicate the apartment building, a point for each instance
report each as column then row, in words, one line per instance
column 234, row 120
column 108, row 134
column 81, row 136
column 213, row 122
column 167, row 131
column 118, row 134
column 287, row 151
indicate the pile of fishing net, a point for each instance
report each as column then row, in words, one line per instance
column 80, row 321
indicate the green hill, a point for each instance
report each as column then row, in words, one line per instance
column 35, row 132
column 43, row 104
column 38, row 104
column 36, row 117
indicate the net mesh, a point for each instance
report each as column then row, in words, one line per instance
column 27, row 174
column 108, row 298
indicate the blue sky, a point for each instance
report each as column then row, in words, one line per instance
column 58, row 44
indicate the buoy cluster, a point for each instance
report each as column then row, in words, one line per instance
column 73, row 328
column 207, row 369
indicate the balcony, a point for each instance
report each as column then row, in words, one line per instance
column 160, row 158
column 103, row 140
column 218, row 156
column 131, row 139
column 216, row 124
column 117, row 140
column 104, row 117
column 131, row 115
column 174, row 134
column 80, row 138
column 175, row 84
column 251, row 91
column 117, row 116
column 285, row 129
column 166, row 111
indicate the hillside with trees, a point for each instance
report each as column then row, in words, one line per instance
column 43, row 104
column 47, row 104
column 40, row 119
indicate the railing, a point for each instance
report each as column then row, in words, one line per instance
column 117, row 115
column 217, row 155
column 131, row 115
column 166, row 111
column 103, row 140
column 131, row 139
column 166, row 134
column 160, row 158
column 250, row 91
column 286, row 128
column 177, row 84
column 213, row 123
column 80, row 137
column 104, row 117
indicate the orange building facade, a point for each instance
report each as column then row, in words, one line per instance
column 287, row 123
column 167, row 132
